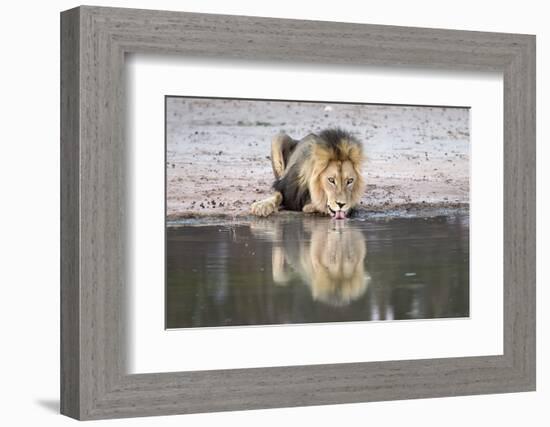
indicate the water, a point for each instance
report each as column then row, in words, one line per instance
column 309, row 269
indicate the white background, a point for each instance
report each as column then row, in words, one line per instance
column 29, row 242
column 152, row 349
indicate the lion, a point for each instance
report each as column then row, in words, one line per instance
column 317, row 174
column 328, row 256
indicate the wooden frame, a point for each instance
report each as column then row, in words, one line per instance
column 94, row 42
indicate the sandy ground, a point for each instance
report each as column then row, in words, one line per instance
column 218, row 152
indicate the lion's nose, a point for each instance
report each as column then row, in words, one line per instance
column 340, row 205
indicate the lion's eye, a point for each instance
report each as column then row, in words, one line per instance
column 350, row 180
column 331, row 180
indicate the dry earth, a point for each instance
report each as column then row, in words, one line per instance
column 218, row 152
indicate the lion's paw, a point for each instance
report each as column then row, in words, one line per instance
column 263, row 208
column 309, row 208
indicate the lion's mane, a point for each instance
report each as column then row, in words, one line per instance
column 301, row 185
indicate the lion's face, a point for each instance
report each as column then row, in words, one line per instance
column 338, row 181
column 332, row 173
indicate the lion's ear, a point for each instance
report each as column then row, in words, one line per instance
column 321, row 154
column 320, row 157
column 318, row 168
column 354, row 152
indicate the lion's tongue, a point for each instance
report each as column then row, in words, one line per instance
column 339, row 215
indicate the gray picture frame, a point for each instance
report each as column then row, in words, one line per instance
column 94, row 41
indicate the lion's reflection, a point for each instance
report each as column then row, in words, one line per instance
column 329, row 256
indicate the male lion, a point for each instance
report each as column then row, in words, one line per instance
column 319, row 173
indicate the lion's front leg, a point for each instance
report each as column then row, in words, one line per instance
column 310, row 208
column 267, row 206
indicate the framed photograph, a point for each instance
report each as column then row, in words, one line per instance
column 261, row 213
